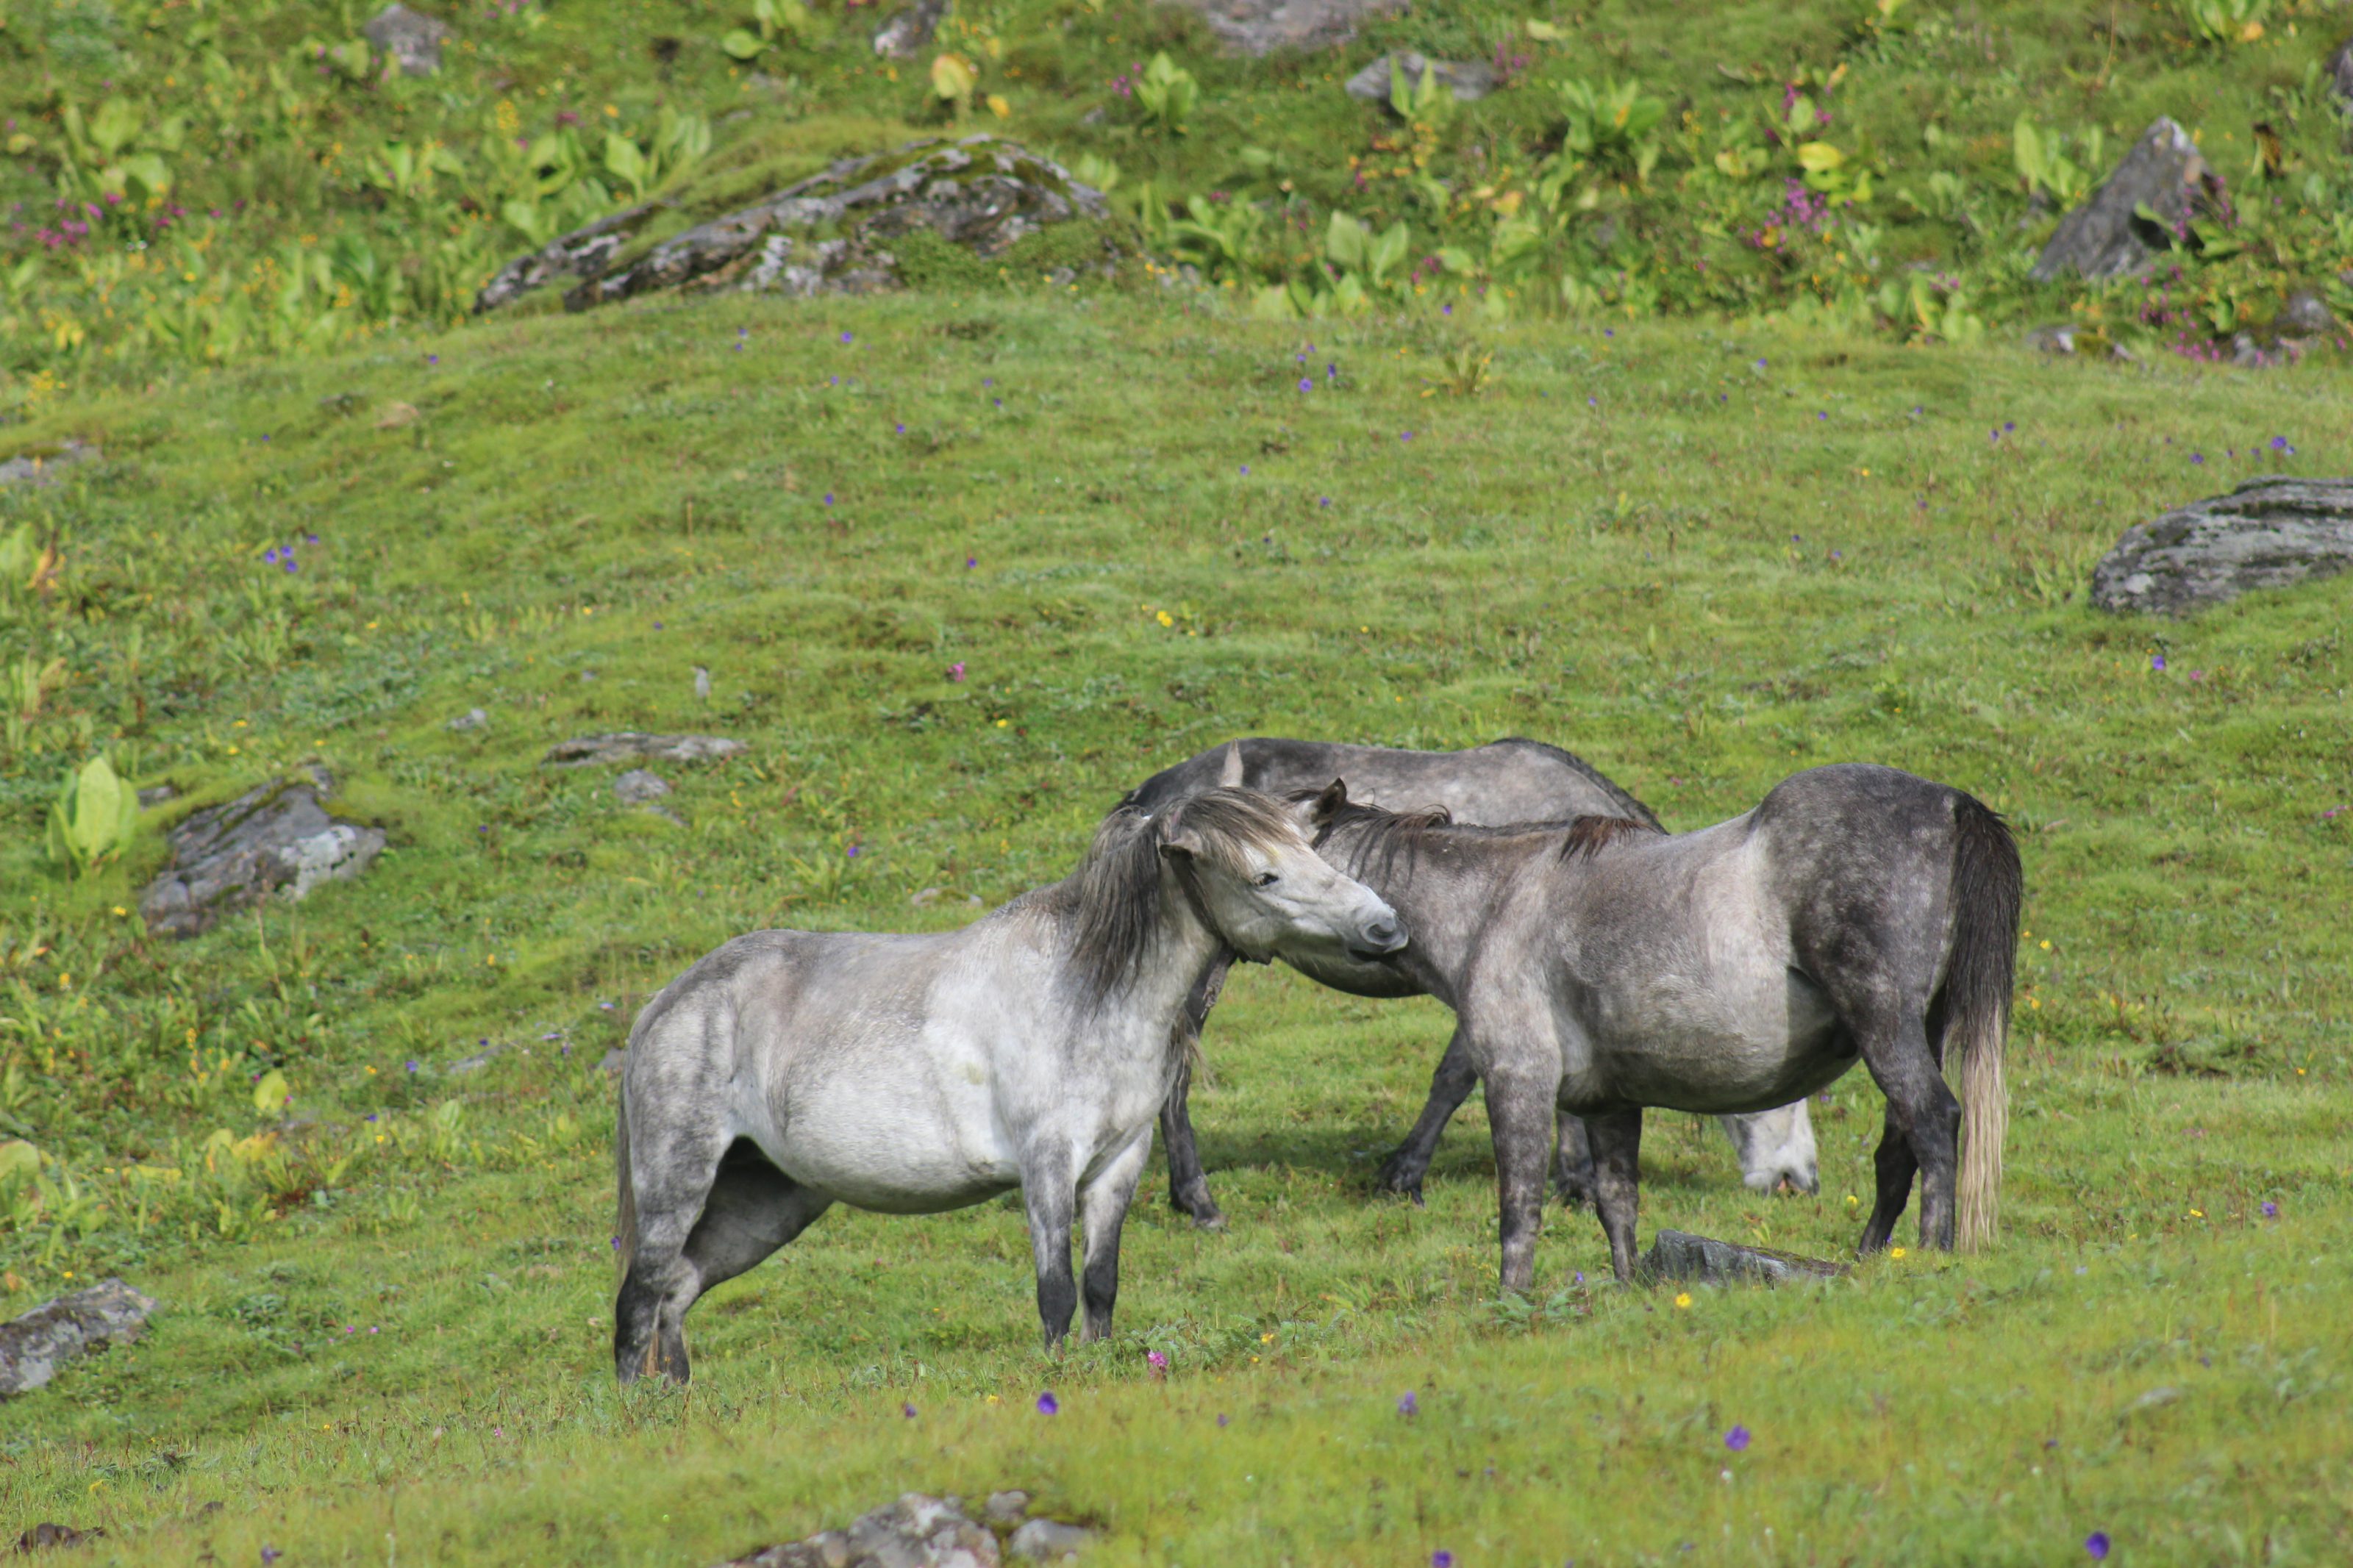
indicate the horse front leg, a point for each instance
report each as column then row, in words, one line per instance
column 1617, row 1170
column 1572, row 1170
column 1188, row 1183
column 1520, row 1111
column 1449, row 1086
column 1050, row 1198
column 1102, row 1209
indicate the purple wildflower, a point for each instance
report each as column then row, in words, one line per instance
column 845, row 337
column 2271, row 1209
column 908, row 1411
column 2157, row 662
column 1306, row 384
column 1047, row 1404
column 2096, row 1543
column 1736, row 1439
column 1323, row 501
column 970, row 561
column 1221, row 1418
column 1406, row 435
column 2279, row 443
column 1441, row 1558
column 1155, row 1361
column 1407, row 1405
column 955, row 670
column 1245, row 470
column 269, row 1554
column 853, row 850
column 2198, row 456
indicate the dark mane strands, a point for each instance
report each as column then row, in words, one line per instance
column 1589, row 835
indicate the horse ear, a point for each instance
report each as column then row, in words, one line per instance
column 1229, row 776
column 1327, row 805
column 1176, row 839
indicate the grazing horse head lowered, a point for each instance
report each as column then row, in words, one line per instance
column 790, row 1070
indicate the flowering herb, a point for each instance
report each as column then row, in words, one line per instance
column 1407, row 1405
column 2096, row 1544
column 1736, row 1439
column 1047, row 1404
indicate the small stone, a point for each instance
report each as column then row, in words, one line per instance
column 471, row 719
column 904, row 35
column 2304, row 315
column 156, row 794
column 396, row 415
column 1268, row 27
column 2156, row 1398
column 2340, row 74
column 34, row 1345
column 637, row 786
column 1678, row 1255
column 2268, row 533
column 2056, row 339
column 478, row 1060
column 412, row 39
column 1007, row 1507
column 43, row 1536
column 1468, row 82
column 630, row 745
column 702, row 684
column 1048, row 1541
column 39, row 468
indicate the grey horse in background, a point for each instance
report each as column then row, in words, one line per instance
column 789, row 1070
column 1503, row 782
column 1601, row 967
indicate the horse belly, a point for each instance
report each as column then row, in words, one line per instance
column 1740, row 1040
column 920, row 1149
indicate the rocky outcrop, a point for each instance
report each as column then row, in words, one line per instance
column 919, row 1532
column 632, row 746
column 840, row 232
column 1467, row 82
column 34, row 1346
column 279, row 838
column 2267, row 533
column 1678, row 1255
column 2108, row 237
column 904, row 35
column 1264, row 27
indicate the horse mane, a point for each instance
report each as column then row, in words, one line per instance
column 1589, row 835
column 1386, row 834
column 1113, row 897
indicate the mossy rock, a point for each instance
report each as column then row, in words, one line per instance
column 931, row 212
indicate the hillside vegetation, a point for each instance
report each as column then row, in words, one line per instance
column 963, row 565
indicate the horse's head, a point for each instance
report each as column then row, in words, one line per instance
column 1776, row 1150
column 1264, row 888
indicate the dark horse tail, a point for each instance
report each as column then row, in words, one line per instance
column 1988, row 887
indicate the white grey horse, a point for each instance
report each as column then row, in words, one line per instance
column 1600, row 967
column 1503, row 782
column 789, row 1070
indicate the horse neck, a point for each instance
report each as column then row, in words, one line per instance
column 1440, row 888
column 1180, row 950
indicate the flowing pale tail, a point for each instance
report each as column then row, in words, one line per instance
column 1988, row 887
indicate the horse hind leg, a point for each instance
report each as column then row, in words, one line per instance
column 1449, row 1086
column 753, row 1210
column 1896, row 1049
column 1617, row 1172
column 1573, row 1174
column 670, row 1168
column 1896, row 1168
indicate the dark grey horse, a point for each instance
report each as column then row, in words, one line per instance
column 1600, row 967
column 1504, row 781
column 789, row 1070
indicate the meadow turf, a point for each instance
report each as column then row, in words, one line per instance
column 1702, row 556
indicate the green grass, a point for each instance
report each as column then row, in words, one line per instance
column 1702, row 573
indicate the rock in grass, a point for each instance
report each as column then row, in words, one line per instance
column 2305, row 314
column 34, row 1346
column 1678, row 1255
column 1264, row 27
column 903, row 36
column 43, row 1536
column 919, row 1532
column 411, row 38
column 2268, row 533
column 631, row 745
column 39, row 467
column 639, row 785
column 471, row 719
column 275, row 838
column 887, row 221
column 2106, row 236
column 1467, row 82
column 2340, row 74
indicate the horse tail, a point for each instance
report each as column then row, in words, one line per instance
column 1987, row 888
column 625, row 1215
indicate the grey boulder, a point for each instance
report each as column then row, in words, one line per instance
column 1466, row 81
column 2106, row 238
column 903, row 37
column 39, row 469
column 2268, row 533
column 34, row 1346
column 633, row 745
column 1678, row 1255
column 411, row 38
column 921, row 1531
column 277, row 837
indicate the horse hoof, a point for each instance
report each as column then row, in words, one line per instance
column 1213, row 1220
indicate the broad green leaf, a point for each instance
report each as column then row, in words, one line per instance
column 1820, row 157
column 743, row 45
column 270, row 1093
column 113, row 126
column 952, row 79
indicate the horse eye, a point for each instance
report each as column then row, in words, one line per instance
column 1265, row 879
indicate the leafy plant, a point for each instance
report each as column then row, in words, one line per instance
column 1169, row 94
column 93, row 816
column 1427, row 102
column 1612, row 124
column 954, row 78
column 771, row 18
column 2226, row 21
column 2043, row 164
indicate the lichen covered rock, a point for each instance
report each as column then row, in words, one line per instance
column 862, row 225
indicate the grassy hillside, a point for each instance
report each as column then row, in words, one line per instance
column 210, row 182
column 961, row 568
